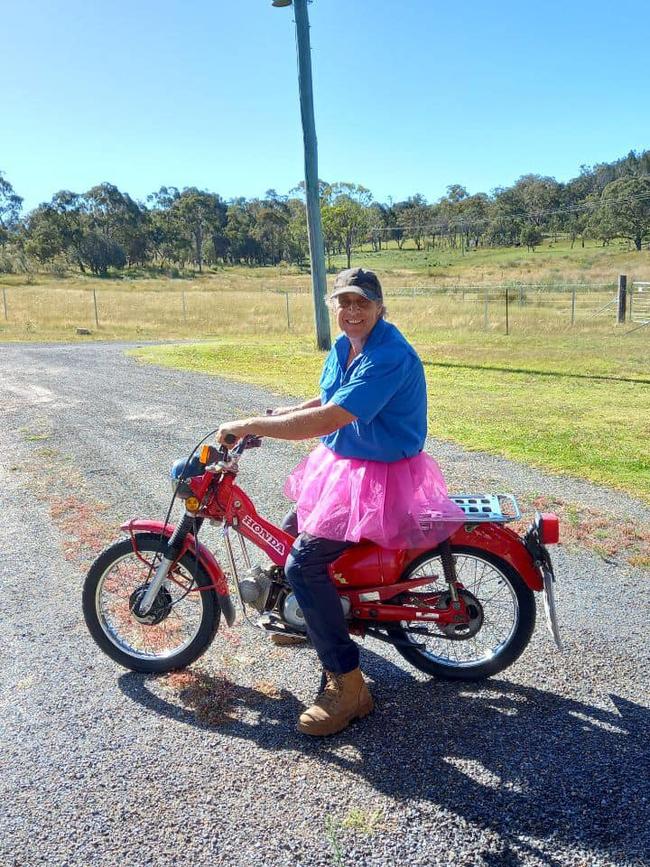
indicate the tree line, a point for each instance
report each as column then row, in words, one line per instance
column 105, row 229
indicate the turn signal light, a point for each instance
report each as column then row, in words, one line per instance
column 208, row 454
column 192, row 504
column 549, row 528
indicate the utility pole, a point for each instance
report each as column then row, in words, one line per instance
column 314, row 226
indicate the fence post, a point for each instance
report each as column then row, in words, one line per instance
column 485, row 309
column 288, row 318
column 631, row 296
column 573, row 305
column 184, row 307
column 507, row 305
column 622, row 297
column 95, row 306
column 4, row 302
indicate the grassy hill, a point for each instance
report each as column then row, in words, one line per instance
column 550, row 262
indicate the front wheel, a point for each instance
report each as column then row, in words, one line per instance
column 503, row 618
column 181, row 623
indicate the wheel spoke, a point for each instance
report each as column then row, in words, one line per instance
column 493, row 593
column 177, row 612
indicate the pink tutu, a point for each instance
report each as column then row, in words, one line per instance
column 396, row 505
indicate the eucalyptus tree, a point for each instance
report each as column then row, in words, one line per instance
column 298, row 250
column 539, row 196
column 531, row 236
column 238, row 233
column 624, row 210
column 56, row 229
column 415, row 218
column 168, row 239
column 382, row 220
column 45, row 235
column 474, row 214
column 200, row 216
column 99, row 253
column 448, row 215
column 117, row 217
column 507, row 217
column 332, row 231
column 272, row 227
column 345, row 215
column 10, row 205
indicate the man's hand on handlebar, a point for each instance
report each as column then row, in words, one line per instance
column 232, row 431
column 299, row 424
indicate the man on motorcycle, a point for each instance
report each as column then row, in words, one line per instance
column 368, row 479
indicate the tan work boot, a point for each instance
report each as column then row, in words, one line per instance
column 345, row 697
column 287, row 639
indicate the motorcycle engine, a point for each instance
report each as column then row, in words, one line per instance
column 292, row 613
column 254, row 587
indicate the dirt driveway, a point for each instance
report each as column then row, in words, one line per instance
column 546, row 764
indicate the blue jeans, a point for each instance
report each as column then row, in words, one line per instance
column 306, row 571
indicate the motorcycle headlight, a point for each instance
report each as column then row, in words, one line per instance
column 183, row 470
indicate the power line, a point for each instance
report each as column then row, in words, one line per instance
column 462, row 222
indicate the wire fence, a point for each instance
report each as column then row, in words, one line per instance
column 172, row 310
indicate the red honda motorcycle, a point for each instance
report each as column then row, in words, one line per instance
column 462, row 611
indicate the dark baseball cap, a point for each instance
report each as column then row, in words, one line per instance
column 359, row 282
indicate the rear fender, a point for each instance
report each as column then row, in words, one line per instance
column 206, row 559
column 503, row 543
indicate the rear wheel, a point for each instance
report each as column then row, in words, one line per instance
column 502, row 618
column 181, row 623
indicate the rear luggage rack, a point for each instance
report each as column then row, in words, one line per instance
column 493, row 508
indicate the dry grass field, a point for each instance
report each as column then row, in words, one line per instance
column 565, row 388
column 451, row 289
column 210, row 306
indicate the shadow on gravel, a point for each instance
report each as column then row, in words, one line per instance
column 518, row 760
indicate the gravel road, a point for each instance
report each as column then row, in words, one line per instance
column 545, row 765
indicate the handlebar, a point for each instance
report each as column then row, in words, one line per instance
column 218, row 454
column 248, row 442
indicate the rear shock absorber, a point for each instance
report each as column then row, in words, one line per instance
column 449, row 570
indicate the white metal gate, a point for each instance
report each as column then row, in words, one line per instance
column 639, row 298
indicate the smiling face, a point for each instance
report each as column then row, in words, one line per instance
column 356, row 316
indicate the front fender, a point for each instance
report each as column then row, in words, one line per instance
column 206, row 559
column 503, row 543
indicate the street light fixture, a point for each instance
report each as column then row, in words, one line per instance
column 314, row 226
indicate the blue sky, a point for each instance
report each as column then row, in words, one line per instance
column 409, row 96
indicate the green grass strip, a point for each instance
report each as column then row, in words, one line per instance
column 592, row 425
